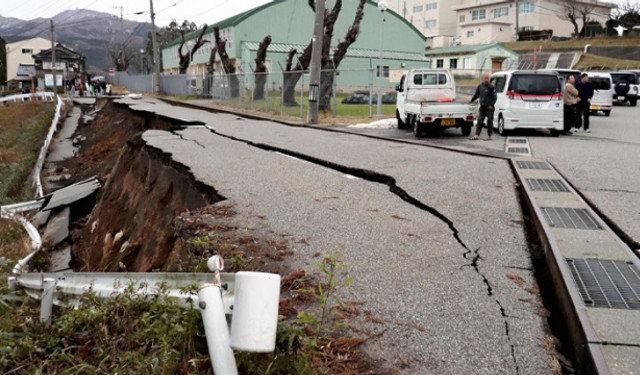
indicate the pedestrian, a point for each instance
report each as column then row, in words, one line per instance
column 108, row 89
column 571, row 99
column 487, row 94
column 91, row 93
column 104, row 87
column 585, row 93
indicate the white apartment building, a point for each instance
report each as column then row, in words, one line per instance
column 444, row 22
column 488, row 21
column 22, row 52
column 436, row 19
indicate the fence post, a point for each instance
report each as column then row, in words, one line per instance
column 46, row 306
column 335, row 88
column 370, row 89
column 302, row 96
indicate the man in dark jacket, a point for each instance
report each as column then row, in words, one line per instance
column 585, row 93
column 487, row 94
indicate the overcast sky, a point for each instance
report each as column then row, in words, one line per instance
column 198, row 11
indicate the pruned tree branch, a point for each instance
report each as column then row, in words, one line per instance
column 211, row 65
column 185, row 59
column 290, row 55
column 351, row 37
column 261, row 57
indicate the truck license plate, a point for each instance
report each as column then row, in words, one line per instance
column 594, row 107
column 448, row 121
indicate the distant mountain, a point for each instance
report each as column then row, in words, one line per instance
column 83, row 30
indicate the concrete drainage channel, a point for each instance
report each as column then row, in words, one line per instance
column 596, row 276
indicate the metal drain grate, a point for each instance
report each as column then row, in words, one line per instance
column 520, row 141
column 607, row 283
column 532, row 165
column 556, row 186
column 570, row 218
column 518, row 150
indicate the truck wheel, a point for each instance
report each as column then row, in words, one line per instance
column 401, row 124
column 501, row 130
column 607, row 113
column 417, row 129
column 633, row 102
column 466, row 128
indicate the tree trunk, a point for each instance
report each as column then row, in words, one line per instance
column 326, row 90
column 185, row 60
column 261, row 72
column 290, row 80
column 228, row 65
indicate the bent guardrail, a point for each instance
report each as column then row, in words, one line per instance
column 250, row 298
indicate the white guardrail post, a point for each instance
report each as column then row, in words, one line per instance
column 251, row 298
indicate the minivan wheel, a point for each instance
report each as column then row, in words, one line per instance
column 607, row 113
column 501, row 129
column 417, row 129
column 401, row 124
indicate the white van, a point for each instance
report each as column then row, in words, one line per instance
column 602, row 92
column 528, row 99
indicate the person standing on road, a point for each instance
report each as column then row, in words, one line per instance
column 570, row 100
column 585, row 93
column 487, row 94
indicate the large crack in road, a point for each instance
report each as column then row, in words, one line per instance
column 472, row 256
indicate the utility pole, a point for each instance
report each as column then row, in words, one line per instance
column 121, row 23
column 517, row 21
column 316, row 64
column 382, row 6
column 154, row 41
column 53, row 62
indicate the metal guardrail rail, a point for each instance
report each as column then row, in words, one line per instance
column 44, row 96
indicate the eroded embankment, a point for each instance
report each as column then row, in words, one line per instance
column 131, row 226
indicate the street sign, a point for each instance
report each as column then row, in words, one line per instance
column 112, row 71
column 395, row 76
column 48, row 80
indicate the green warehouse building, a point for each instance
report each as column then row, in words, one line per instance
column 290, row 24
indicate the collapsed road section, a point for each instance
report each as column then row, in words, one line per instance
column 443, row 270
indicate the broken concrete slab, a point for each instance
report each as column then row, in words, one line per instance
column 60, row 260
column 58, row 228
column 40, row 218
column 71, row 194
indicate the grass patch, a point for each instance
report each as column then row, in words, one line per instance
column 548, row 45
column 588, row 61
column 23, row 128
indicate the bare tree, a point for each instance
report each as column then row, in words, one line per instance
column 575, row 10
column 185, row 59
column 228, row 65
column 261, row 68
column 122, row 56
column 293, row 74
column 211, row 65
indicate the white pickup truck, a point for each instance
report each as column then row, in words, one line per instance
column 427, row 101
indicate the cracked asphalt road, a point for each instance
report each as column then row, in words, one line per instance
column 408, row 265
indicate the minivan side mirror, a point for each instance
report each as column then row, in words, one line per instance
column 399, row 89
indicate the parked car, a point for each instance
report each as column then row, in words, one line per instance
column 603, row 92
column 528, row 99
column 427, row 101
column 625, row 87
column 563, row 74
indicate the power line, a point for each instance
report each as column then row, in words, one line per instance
column 19, row 6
